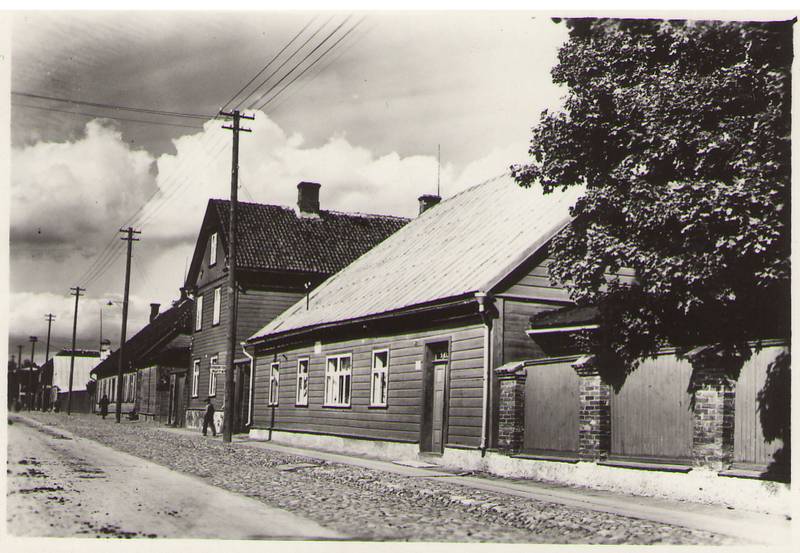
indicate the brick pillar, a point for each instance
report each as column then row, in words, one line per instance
column 594, row 438
column 511, row 430
column 714, row 411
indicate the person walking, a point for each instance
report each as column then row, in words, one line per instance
column 104, row 406
column 208, row 419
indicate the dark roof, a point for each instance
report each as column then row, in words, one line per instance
column 154, row 337
column 566, row 316
column 276, row 239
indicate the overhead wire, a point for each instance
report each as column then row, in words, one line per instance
column 100, row 116
column 150, row 111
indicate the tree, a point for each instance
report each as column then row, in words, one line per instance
column 680, row 132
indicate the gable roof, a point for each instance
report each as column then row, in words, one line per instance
column 275, row 238
column 463, row 245
column 153, row 338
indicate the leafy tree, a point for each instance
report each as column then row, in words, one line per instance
column 680, row 131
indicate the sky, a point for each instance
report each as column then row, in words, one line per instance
column 365, row 122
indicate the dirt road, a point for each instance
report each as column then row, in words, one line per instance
column 66, row 486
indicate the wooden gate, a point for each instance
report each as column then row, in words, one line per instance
column 749, row 443
column 651, row 415
column 552, row 407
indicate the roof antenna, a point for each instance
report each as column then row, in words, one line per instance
column 438, row 166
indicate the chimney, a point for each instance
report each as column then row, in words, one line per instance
column 154, row 307
column 308, row 198
column 427, row 201
column 105, row 349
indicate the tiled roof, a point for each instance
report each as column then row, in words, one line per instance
column 148, row 342
column 276, row 238
column 460, row 246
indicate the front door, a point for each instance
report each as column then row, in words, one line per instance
column 437, row 419
column 179, row 401
column 434, row 423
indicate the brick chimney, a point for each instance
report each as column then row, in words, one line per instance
column 308, row 198
column 427, row 201
column 105, row 349
column 154, row 307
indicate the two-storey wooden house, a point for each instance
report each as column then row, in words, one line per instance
column 282, row 254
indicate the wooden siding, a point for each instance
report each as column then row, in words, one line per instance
column 516, row 320
column 256, row 308
column 151, row 401
column 750, row 446
column 401, row 420
column 552, row 407
column 651, row 415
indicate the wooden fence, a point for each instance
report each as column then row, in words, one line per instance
column 552, row 407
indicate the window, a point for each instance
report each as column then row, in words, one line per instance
column 217, row 305
column 302, row 382
column 196, row 378
column 379, row 387
column 274, row 375
column 213, row 370
column 198, row 319
column 338, row 374
column 212, row 250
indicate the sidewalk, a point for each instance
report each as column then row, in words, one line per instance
column 745, row 525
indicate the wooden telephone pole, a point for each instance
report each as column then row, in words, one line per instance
column 49, row 318
column 30, row 396
column 129, row 232
column 227, row 424
column 77, row 293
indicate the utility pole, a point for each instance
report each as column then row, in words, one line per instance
column 77, row 293
column 19, row 372
column 129, row 232
column 29, row 396
column 227, row 424
column 49, row 318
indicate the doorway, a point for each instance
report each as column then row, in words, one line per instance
column 435, row 383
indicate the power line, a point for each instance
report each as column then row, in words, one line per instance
column 322, row 55
column 98, row 116
column 270, row 62
column 113, row 106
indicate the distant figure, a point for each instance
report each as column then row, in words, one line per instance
column 208, row 419
column 104, row 406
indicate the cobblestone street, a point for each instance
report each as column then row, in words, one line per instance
column 367, row 504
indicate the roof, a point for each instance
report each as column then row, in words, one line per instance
column 277, row 238
column 463, row 245
column 566, row 317
column 154, row 337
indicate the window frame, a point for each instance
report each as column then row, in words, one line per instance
column 198, row 315
column 217, row 306
column 196, row 378
column 212, row 250
column 383, row 370
column 212, row 376
column 334, row 395
column 274, row 377
column 304, row 378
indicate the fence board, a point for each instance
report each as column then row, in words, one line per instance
column 552, row 407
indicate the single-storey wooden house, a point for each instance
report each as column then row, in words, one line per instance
column 282, row 254
column 395, row 354
column 156, row 357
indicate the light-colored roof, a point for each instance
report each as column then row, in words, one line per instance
column 463, row 245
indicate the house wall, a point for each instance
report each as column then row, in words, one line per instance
column 80, row 372
column 255, row 308
column 152, row 402
column 402, row 419
column 108, row 386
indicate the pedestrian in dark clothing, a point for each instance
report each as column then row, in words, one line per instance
column 104, row 406
column 208, row 419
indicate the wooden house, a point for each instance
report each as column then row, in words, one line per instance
column 282, row 254
column 396, row 353
column 55, row 380
column 156, row 357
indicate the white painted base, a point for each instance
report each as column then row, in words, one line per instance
column 194, row 419
column 698, row 485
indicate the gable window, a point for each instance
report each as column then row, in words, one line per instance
column 338, row 376
column 217, row 305
column 212, row 250
column 196, row 378
column 274, row 376
column 302, row 382
column 213, row 370
column 379, row 387
column 198, row 319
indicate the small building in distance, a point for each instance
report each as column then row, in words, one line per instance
column 55, row 380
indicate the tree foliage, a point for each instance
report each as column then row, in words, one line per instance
column 680, row 132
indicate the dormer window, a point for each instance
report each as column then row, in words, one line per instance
column 212, row 250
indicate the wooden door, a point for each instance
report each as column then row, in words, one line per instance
column 437, row 414
column 180, row 400
column 552, row 407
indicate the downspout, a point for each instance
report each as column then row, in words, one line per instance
column 252, row 381
column 483, row 311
